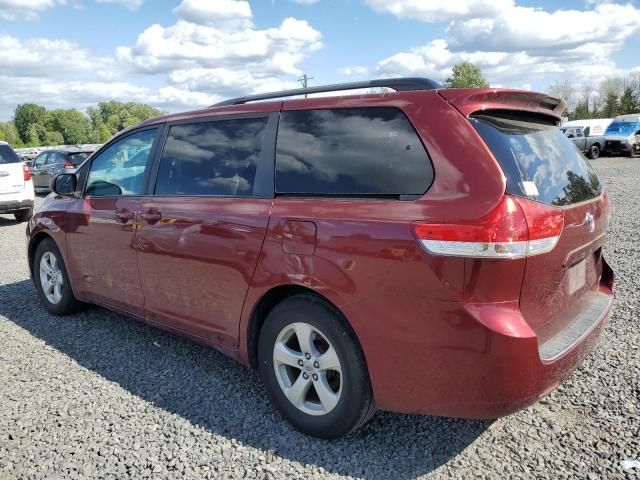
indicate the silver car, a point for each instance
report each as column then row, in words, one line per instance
column 50, row 163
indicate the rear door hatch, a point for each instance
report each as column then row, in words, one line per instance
column 541, row 164
column 11, row 171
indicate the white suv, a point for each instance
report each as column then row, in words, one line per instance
column 16, row 186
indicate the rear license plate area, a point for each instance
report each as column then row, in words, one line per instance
column 577, row 277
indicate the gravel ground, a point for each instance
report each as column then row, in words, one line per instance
column 97, row 395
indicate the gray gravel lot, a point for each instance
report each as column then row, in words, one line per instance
column 97, row 395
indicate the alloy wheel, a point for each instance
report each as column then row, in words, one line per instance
column 307, row 368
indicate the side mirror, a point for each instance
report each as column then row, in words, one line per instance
column 64, row 184
column 571, row 135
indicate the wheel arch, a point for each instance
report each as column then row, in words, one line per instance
column 273, row 297
column 36, row 240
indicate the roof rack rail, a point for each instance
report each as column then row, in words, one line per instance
column 397, row 84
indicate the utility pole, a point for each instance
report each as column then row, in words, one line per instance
column 304, row 81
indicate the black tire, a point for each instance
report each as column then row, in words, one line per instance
column 356, row 404
column 23, row 215
column 594, row 152
column 68, row 303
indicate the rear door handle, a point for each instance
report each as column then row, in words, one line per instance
column 152, row 217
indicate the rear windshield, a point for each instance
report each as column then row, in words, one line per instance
column 77, row 158
column 537, row 159
column 7, row 155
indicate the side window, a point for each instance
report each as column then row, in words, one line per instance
column 120, row 169
column 40, row 159
column 350, row 152
column 211, row 158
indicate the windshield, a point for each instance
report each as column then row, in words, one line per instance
column 625, row 128
column 7, row 155
column 538, row 161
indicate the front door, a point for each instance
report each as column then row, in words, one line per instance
column 202, row 231
column 102, row 224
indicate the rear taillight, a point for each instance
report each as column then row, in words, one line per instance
column 516, row 228
column 26, row 172
column 68, row 164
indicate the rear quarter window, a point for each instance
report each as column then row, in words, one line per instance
column 350, row 152
column 537, row 159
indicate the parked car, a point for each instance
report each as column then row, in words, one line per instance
column 49, row 163
column 620, row 135
column 591, row 146
column 347, row 247
column 636, row 146
column 590, row 126
column 16, row 185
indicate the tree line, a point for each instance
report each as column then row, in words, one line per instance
column 33, row 125
column 608, row 98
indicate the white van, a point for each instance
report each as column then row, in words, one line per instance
column 590, row 127
column 16, row 187
column 620, row 137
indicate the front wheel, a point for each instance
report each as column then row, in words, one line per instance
column 52, row 281
column 594, row 152
column 313, row 368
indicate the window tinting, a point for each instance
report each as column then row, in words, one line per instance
column 119, row 170
column 7, row 155
column 358, row 151
column 530, row 148
column 211, row 158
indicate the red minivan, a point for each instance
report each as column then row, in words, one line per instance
column 429, row 250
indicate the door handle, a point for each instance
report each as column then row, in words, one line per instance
column 152, row 217
column 124, row 215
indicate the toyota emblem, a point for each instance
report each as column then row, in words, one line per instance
column 590, row 221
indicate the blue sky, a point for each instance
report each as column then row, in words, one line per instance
column 184, row 54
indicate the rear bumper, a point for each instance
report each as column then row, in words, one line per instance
column 472, row 361
column 11, row 206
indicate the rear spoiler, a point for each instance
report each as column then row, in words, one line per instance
column 472, row 100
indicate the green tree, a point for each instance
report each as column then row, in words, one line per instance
column 118, row 115
column 611, row 106
column 9, row 133
column 28, row 115
column 628, row 102
column 466, row 75
column 73, row 125
column 54, row 138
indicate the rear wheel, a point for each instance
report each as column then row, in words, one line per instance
column 52, row 280
column 23, row 215
column 313, row 369
column 594, row 152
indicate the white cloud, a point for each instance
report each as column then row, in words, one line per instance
column 35, row 57
column 439, row 10
column 130, row 4
column 517, row 45
column 305, row 2
column 219, row 50
column 208, row 54
column 223, row 14
column 353, row 71
column 25, row 9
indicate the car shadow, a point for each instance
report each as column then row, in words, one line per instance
column 7, row 220
column 227, row 398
